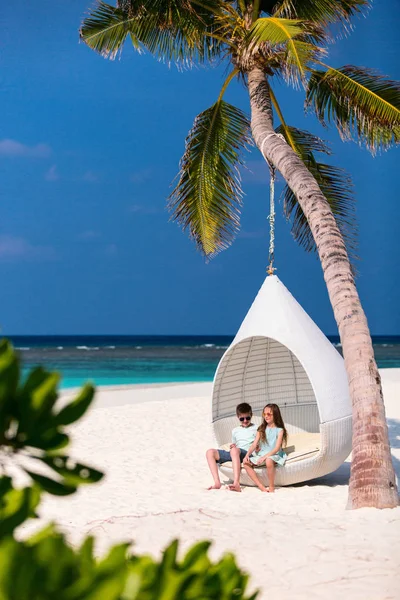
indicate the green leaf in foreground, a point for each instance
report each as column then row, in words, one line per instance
column 77, row 408
column 51, row 486
column 197, row 557
column 72, row 473
column 37, row 397
column 16, row 505
column 46, row 566
column 9, row 375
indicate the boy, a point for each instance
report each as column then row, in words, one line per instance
column 242, row 438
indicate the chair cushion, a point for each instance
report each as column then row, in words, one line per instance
column 301, row 445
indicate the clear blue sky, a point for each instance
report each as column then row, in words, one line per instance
column 88, row 150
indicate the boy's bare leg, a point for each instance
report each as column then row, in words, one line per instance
column 235, row 456
column 212, row 457
column 251, row 473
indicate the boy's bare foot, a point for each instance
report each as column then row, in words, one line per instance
column 216, row 486
column 234, row 488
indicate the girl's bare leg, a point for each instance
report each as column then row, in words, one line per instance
column 271, row 466
column 251, row 473
column 212, row 457
column 235, row 456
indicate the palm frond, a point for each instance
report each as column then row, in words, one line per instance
column 362, row 104
column 289, row 40
column 297, row 60
column 335, row 184
column 228, row 24
column 325, row 12
column 106, row 29
column 191, row 24
column 171, row 30
column 275, row 31
column 207, row 197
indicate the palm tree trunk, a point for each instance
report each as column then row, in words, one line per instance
column 372, row 479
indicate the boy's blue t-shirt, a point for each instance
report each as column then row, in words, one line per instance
column 243, row 437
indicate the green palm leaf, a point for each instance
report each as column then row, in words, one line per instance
column 207, row 198
column 171, row 30
column 335, row 184
column 107, row 28
column 325, row 12
column 361, row 103
column 291, row 42
column 297, row 61
column 275, row 31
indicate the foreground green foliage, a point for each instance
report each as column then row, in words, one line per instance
column 33, row 439
column 45, row 566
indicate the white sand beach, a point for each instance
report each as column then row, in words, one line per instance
column 297, row 543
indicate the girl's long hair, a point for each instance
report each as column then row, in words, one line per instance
column 278, row 423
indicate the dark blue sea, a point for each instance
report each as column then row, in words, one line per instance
column 120, row 360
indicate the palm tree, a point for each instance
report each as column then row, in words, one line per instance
column 262, row 41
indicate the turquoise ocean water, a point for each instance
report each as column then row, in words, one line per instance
column 119, row 360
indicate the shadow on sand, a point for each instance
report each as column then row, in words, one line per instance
column 394, row 439
column 342, row 475
column 339, row 477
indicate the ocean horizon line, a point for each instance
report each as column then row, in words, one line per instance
column 156, row 335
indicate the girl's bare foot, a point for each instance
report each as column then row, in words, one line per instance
column 216, row 486
column 235, row 488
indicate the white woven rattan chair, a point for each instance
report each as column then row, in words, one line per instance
column 280, row 355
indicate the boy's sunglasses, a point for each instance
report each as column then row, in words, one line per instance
column 244, row 419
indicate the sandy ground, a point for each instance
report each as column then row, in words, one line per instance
column 297, row 543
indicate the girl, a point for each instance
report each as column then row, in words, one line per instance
column 270, row 436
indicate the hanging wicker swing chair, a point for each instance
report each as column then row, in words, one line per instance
column 279, row 355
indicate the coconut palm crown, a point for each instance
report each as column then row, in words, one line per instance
column 262, row 42
column 288, row 40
